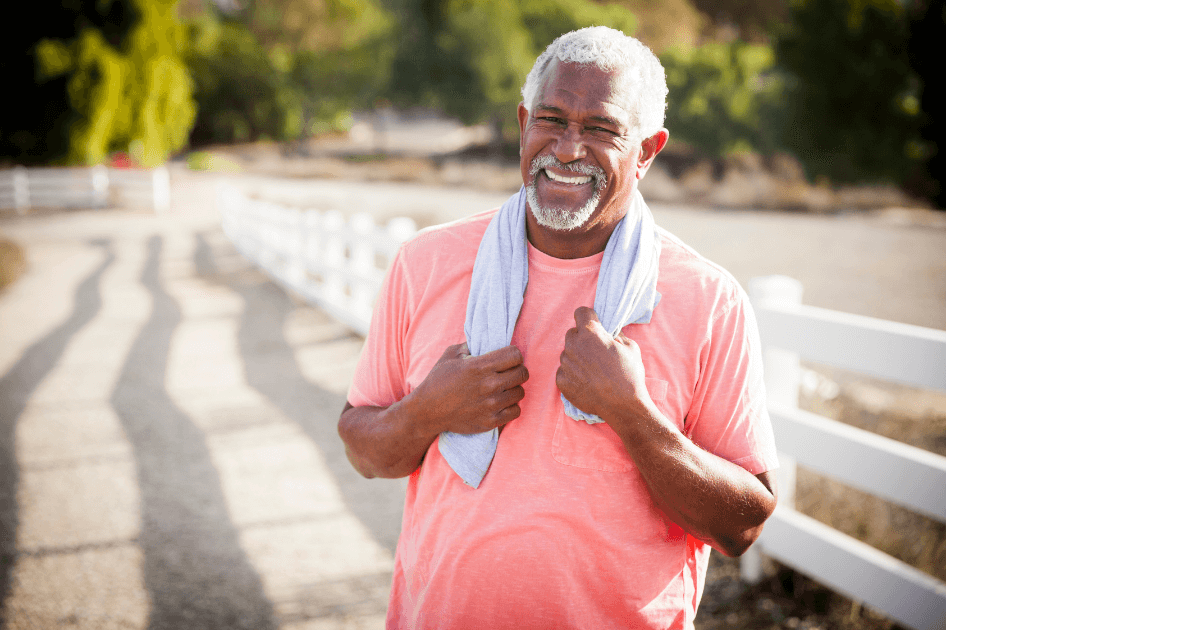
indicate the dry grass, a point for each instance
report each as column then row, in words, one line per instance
column 12, row 262
column 912, row 416
column 787, row 599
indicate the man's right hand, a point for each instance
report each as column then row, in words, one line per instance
column 467, row 394
column 462, row 393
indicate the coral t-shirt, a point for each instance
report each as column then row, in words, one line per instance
column 562, row 532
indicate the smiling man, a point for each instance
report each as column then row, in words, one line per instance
column 604, row 423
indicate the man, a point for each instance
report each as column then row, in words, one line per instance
column 619, row 452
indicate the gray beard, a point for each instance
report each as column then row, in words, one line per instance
column 560, row 218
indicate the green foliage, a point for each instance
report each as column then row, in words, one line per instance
column 470, row 57
column 287, row 69
column 106, row 77
column 723, row 97
column 240, row 95
column 855, row 109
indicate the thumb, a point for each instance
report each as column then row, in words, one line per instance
column 584, row 315
column 455, row 351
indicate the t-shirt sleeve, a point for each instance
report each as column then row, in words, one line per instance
column 728, row 416
column 379, row 377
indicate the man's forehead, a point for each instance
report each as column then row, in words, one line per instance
column 604, row 93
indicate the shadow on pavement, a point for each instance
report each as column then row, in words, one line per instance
column 272, row 370
column 15, row 389
column 195, row 569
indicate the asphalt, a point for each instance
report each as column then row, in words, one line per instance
column 168, row 450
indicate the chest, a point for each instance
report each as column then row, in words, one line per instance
column 670, row 345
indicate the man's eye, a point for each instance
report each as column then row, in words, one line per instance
column 603, row 130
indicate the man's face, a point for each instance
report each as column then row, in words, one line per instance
column 578, row 159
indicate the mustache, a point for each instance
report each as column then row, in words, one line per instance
column 542, row 161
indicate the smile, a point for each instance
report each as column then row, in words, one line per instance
column 567, row 180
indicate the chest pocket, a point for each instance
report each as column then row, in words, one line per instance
column 597, row 446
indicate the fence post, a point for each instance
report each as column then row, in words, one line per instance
column 362, row 265
column 21, row 189
column 401, row 229
column 99, row 186
column 160, row 189
column 293, row 249
column 273, row 237
column 313, row 239
column 334, row 259
column 782, row 374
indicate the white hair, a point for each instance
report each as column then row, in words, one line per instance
column 609, row 49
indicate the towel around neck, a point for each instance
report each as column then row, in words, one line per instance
column 625, row 294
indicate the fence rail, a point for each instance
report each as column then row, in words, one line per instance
column 96, row 187
column 883, row 467
column 337, row 265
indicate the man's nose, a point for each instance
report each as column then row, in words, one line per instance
column 569, row 146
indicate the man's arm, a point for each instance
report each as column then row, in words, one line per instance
column 713, row 499
column 463, row 394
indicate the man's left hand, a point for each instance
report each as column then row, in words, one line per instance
column 599, row 373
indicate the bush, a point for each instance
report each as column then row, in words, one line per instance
column 724, row 97
column 855, row 110
column 239, row 94
column 286, row 69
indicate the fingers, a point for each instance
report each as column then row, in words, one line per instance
column 508, row 414
column 506, row 405
column 512, row 377
column 500, row 360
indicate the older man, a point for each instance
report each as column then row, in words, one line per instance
column 604, row 423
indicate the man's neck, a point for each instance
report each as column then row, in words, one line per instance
column 586, row 240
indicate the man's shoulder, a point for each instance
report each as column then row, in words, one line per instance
column 685, row 269
column 449, row 241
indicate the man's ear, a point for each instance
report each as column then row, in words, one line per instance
column 522, row 118
column 651, row 147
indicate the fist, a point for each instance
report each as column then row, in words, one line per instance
column 600, row 373
column 467, row 394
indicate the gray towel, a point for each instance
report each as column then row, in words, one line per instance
column 625, row 294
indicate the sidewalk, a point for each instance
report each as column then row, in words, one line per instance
column 168, row 438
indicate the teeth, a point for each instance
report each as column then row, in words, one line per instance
column 568, row 180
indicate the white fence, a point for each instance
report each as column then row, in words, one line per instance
column 95, row 187
column 340, row 269
column 336, row 265
column 880, row 466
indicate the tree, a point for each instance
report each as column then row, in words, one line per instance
column 855, row 108
column 101, row 76
column 469, row 58
column 927, row 54
column 333, row 54
column 287, row 69
column 723, row 97
column 240, row 95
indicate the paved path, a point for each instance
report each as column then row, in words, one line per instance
column 168, row 451
column 168, row 448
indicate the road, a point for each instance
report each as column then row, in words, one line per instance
column 168, row 453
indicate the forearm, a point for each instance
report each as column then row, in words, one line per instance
column 383, row 441
column 713, row 499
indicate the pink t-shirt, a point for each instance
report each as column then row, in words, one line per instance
column 562, row 532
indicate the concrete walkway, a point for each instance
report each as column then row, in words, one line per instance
column 168, row 450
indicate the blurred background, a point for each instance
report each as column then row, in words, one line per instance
column 807, row 139
column 818, row 93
